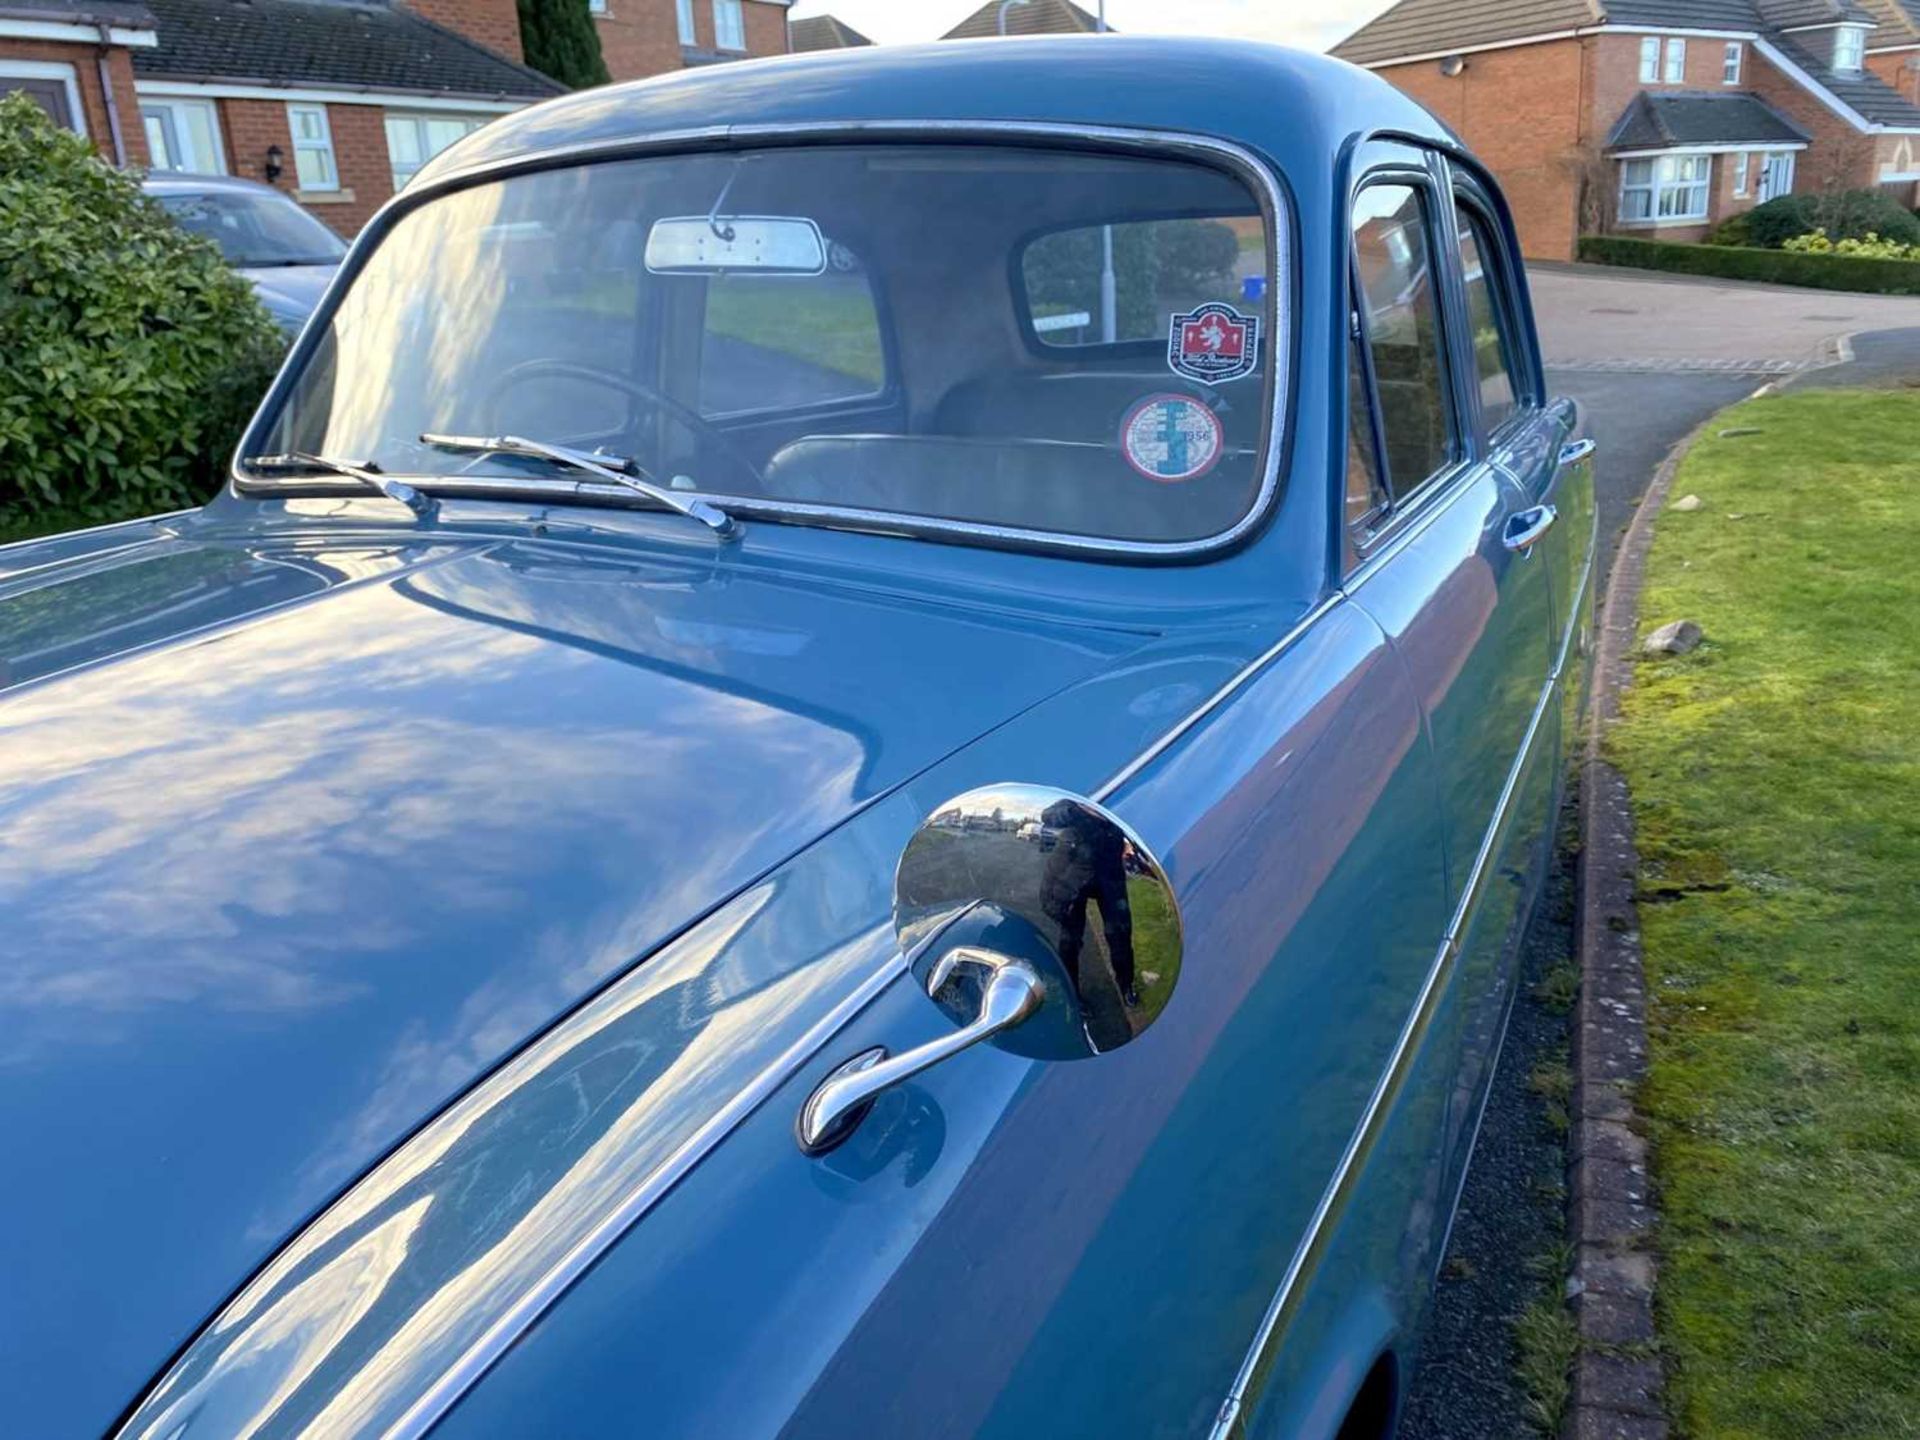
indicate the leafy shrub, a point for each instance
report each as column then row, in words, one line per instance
column 132, row 353
column 1778, row 267
column 1731, row 231
column 1844, row 215
column 561, row 41
column 1872, row 246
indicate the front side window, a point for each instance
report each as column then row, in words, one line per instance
column 783, row 327
column 1676, row 68
column 1667, row 187
column 1400, row 321
column 183, row 136
column 1488, row 313
column 729, row 26
column 412, row 140
column 313, row 163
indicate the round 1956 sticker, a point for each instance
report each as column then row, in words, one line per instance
column 1171, row 438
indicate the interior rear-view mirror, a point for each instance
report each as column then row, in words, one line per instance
column 711, row 244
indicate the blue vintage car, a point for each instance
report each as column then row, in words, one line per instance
column 858, row 752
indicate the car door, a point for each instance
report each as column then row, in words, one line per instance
column 1446, row 560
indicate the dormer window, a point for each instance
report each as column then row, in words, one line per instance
column 1849, row 48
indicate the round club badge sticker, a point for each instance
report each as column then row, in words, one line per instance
column 1171, row 438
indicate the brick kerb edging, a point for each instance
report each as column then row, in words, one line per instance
column 1611, row 1215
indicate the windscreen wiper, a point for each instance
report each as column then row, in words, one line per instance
column 617, row 469
column 363, row 470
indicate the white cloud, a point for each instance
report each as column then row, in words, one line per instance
column 1313, row 24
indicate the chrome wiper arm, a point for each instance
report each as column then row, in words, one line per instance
column 363, row 470
column 613, row 468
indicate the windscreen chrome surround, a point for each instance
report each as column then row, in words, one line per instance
column 1267, row 186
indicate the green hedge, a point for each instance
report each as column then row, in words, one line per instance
column 130, row 352
column 1777, row 267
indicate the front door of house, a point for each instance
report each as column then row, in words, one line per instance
column 1776, row 175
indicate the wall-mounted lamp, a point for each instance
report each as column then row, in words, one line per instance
column 274, row 166
column 1453, row 65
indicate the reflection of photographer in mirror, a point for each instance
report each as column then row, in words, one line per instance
column 1088, row 862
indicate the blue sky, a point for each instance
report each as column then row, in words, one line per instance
column 1314, row 24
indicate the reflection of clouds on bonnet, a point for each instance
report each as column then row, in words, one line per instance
column 222, row 821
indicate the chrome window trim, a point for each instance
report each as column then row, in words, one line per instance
column 1266, row 185
column 1230, row 1422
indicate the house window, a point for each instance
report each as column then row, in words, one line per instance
column 1740, row 174
column 1676, row 67
column 1730, row 63
column 50, row 84
column 729, row 26
column 1849, row 48
column 412, row 140
column 183, row 136
column 1649, row 59
column 1664, row 188
column 683, row 12
column 312, row 148
column 596, row 7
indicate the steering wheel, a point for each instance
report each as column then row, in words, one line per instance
column 540, row 369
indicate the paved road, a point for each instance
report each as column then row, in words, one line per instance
column 1464, row 1386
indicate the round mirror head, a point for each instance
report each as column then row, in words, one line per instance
column 1055, row 880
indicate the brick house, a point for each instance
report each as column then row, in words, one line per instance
column 823, row 32
column 1026, row 17
column 651, row 37
column 1658, row 117
column 1893, row 49
column 337, row 102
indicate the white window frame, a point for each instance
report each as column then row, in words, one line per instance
column 1849, row 49
column 420, row 119
column 1671, row 181
column 173, row 105
column 51, row 70
column 1673, row 70
column 322, row 146
column 683, row 17
column 1649, row 59
column 1740, row 164
column 1732, row 63
column 735, row 29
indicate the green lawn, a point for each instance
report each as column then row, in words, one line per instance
column 1776, row 779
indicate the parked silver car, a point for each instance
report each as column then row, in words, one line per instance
column 287, row 254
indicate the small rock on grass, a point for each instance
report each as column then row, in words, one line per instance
column 1735, row 431
column 1687, row 502
column 1676, row 637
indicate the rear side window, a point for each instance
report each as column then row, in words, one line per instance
column 772, row 343
column 1400, row 325
column 1488, row 313
column 1158, row 268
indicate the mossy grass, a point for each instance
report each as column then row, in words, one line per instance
column 1776, row 785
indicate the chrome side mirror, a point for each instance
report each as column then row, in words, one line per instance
column 1037, row 921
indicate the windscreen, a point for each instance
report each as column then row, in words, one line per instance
column 1058, row 341
column 256, row 231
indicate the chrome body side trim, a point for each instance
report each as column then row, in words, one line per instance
column 1229, row 1424
column 479, row 1357
column 1265, row 184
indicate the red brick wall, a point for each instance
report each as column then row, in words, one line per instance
column 642, row 37
column 1520, row 111
column 359, row 155
column 494, row 23
column 86, row 73
column 1901, row 70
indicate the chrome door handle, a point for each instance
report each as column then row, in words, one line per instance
column 1574, row 451
column 1012, row 991
column 1526, row 527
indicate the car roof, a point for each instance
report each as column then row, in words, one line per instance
column 1292, row 105
column 176, row 183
